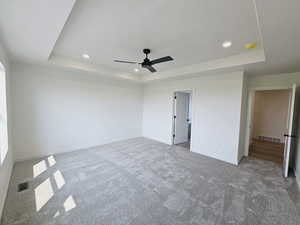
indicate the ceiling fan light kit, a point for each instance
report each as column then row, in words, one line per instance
column 147, row 63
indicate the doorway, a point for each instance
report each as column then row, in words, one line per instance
column 182, row 119
column 272, row 125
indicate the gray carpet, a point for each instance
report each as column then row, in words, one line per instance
column 185, row 145
column 141, row 182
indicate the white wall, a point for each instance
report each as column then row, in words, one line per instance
column 243, row 119
column 216, row 105
column 274, row 81
column 190, row 108
column 6, row 167
column 56, row 111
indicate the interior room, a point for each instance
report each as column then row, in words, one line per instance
column 270, row 124
column 149, row 112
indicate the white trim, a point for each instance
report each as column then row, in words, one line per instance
column 173, row 119
column 191, row 92
column 250, row 107
column 4, row 145
column 288, row 145
column 238, row 60
column 285, row 87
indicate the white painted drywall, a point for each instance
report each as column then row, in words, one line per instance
column 56, row 111
column 7, row 165
column 216, row 106
column 243, row 119
column 274, row 81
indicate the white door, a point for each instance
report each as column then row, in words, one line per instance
column 290, row 137
column 181, row 124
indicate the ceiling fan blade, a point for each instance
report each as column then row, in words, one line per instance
column 161, row 60
column 150, row 68
column 120, row 61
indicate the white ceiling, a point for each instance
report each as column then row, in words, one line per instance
column 189, row 31
column 58, row 32
column 30, row 28
column 280, row 26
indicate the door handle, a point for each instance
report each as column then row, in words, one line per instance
column 291, row 136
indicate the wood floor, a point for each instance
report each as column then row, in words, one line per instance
column 267, row 150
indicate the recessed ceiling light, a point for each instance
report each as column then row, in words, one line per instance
column 227, row 44
column 136, row 70
column 86, row 56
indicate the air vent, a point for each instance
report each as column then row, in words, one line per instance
column 23, row 186
column 270, row 139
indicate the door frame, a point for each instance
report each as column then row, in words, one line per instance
column 250, row 110
column 191, row 92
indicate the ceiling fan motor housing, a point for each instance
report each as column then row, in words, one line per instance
column 146, row 61
column 146, row 51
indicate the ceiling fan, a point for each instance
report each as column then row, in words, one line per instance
column 147, row 63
